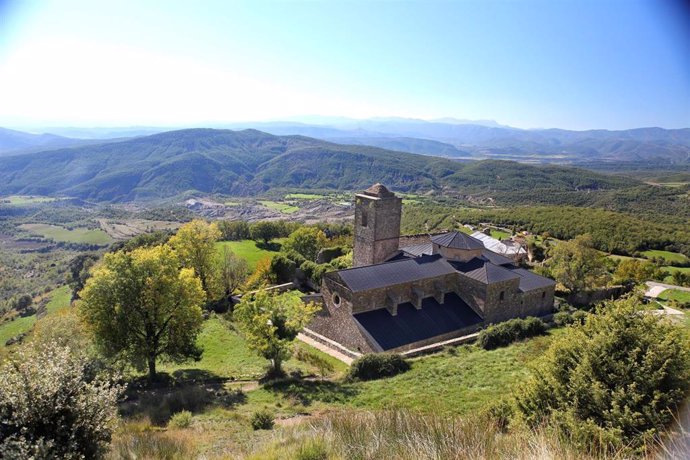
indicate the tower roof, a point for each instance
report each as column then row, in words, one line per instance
column 379, row 190
column 457, row 240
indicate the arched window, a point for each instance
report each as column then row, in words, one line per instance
column 543, row 295
column 502, row 295
column 364, row 217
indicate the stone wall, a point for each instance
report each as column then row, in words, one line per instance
column 377, row 229
column 336, row 322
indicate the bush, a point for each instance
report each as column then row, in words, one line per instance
column 182, row 419
column 262, row 420
column 503, row 334
column 562, row 318
column 315, row 271
column 282, row 268
column 614, row 381
column 377, row 365
column 50, row 408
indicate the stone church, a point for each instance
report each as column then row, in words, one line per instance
column 404, row 293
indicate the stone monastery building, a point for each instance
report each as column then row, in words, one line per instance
column 401, row 297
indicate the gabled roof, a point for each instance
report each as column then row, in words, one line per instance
column 484, row 271
column 457, row 240
column 496, row 259
column 417, row 250
column 395, row 272
column 530, row 281
column 498, row 246
column 411, row 325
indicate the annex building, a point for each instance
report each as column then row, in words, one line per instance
column 404, row 293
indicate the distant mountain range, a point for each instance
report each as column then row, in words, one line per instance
column 249, row 162
column 444, row 137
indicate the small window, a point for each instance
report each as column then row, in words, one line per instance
column 336, row 300
column 502, row 295
column 364, row 217
column 543, row 295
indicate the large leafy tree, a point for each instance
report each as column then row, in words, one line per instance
column 271, row 322
column 232, row 272
column 636, row 271
column 577, row 265
column 615, row 380
column 306, row 241
column 195, row 244
column 141, row 306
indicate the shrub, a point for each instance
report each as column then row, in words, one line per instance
column 377, row 365
column 613, row 381
column 282, row 268
column 50, row 408
column 562, row 318
column 503, row 334
column 262, row 419
column 182, row 419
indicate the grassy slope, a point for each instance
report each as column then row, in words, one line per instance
column 670, row 257
column 226, row 354
column 460, row 382
column 674, row 294
column 248, row 250
column 59, row 300
column 77, row 235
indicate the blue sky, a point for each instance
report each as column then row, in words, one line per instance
column 567, row 64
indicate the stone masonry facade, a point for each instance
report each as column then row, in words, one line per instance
column 490, row 292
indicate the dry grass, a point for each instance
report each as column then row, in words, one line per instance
column 406, row 435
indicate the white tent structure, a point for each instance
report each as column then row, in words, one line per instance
column 508, row 249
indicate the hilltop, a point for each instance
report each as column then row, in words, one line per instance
column 249, row 162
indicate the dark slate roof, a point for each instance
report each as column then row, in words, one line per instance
column 418, row 249
column 530, row 281
column 484, row 271
column 457, row 240
column 396, row 272
column 496, row 259
column 411, row 325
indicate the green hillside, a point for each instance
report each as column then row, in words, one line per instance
column 250, row 162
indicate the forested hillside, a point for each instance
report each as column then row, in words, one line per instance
column 250, row 162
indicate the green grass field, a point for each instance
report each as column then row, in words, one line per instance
column 499, row 234
column 248, row 250
column 19, row 200
column 59, row 300
column 77, row 235
column 461, row 380
column 285, row 208
column 669, row 257
column 675, row 294
column 304, row 196
column 226, row 354
column 671, row 269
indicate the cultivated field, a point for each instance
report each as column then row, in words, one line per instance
column 76, row 235
column 121, row 230
column 250, row 250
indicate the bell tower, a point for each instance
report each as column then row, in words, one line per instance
column 377, row 225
